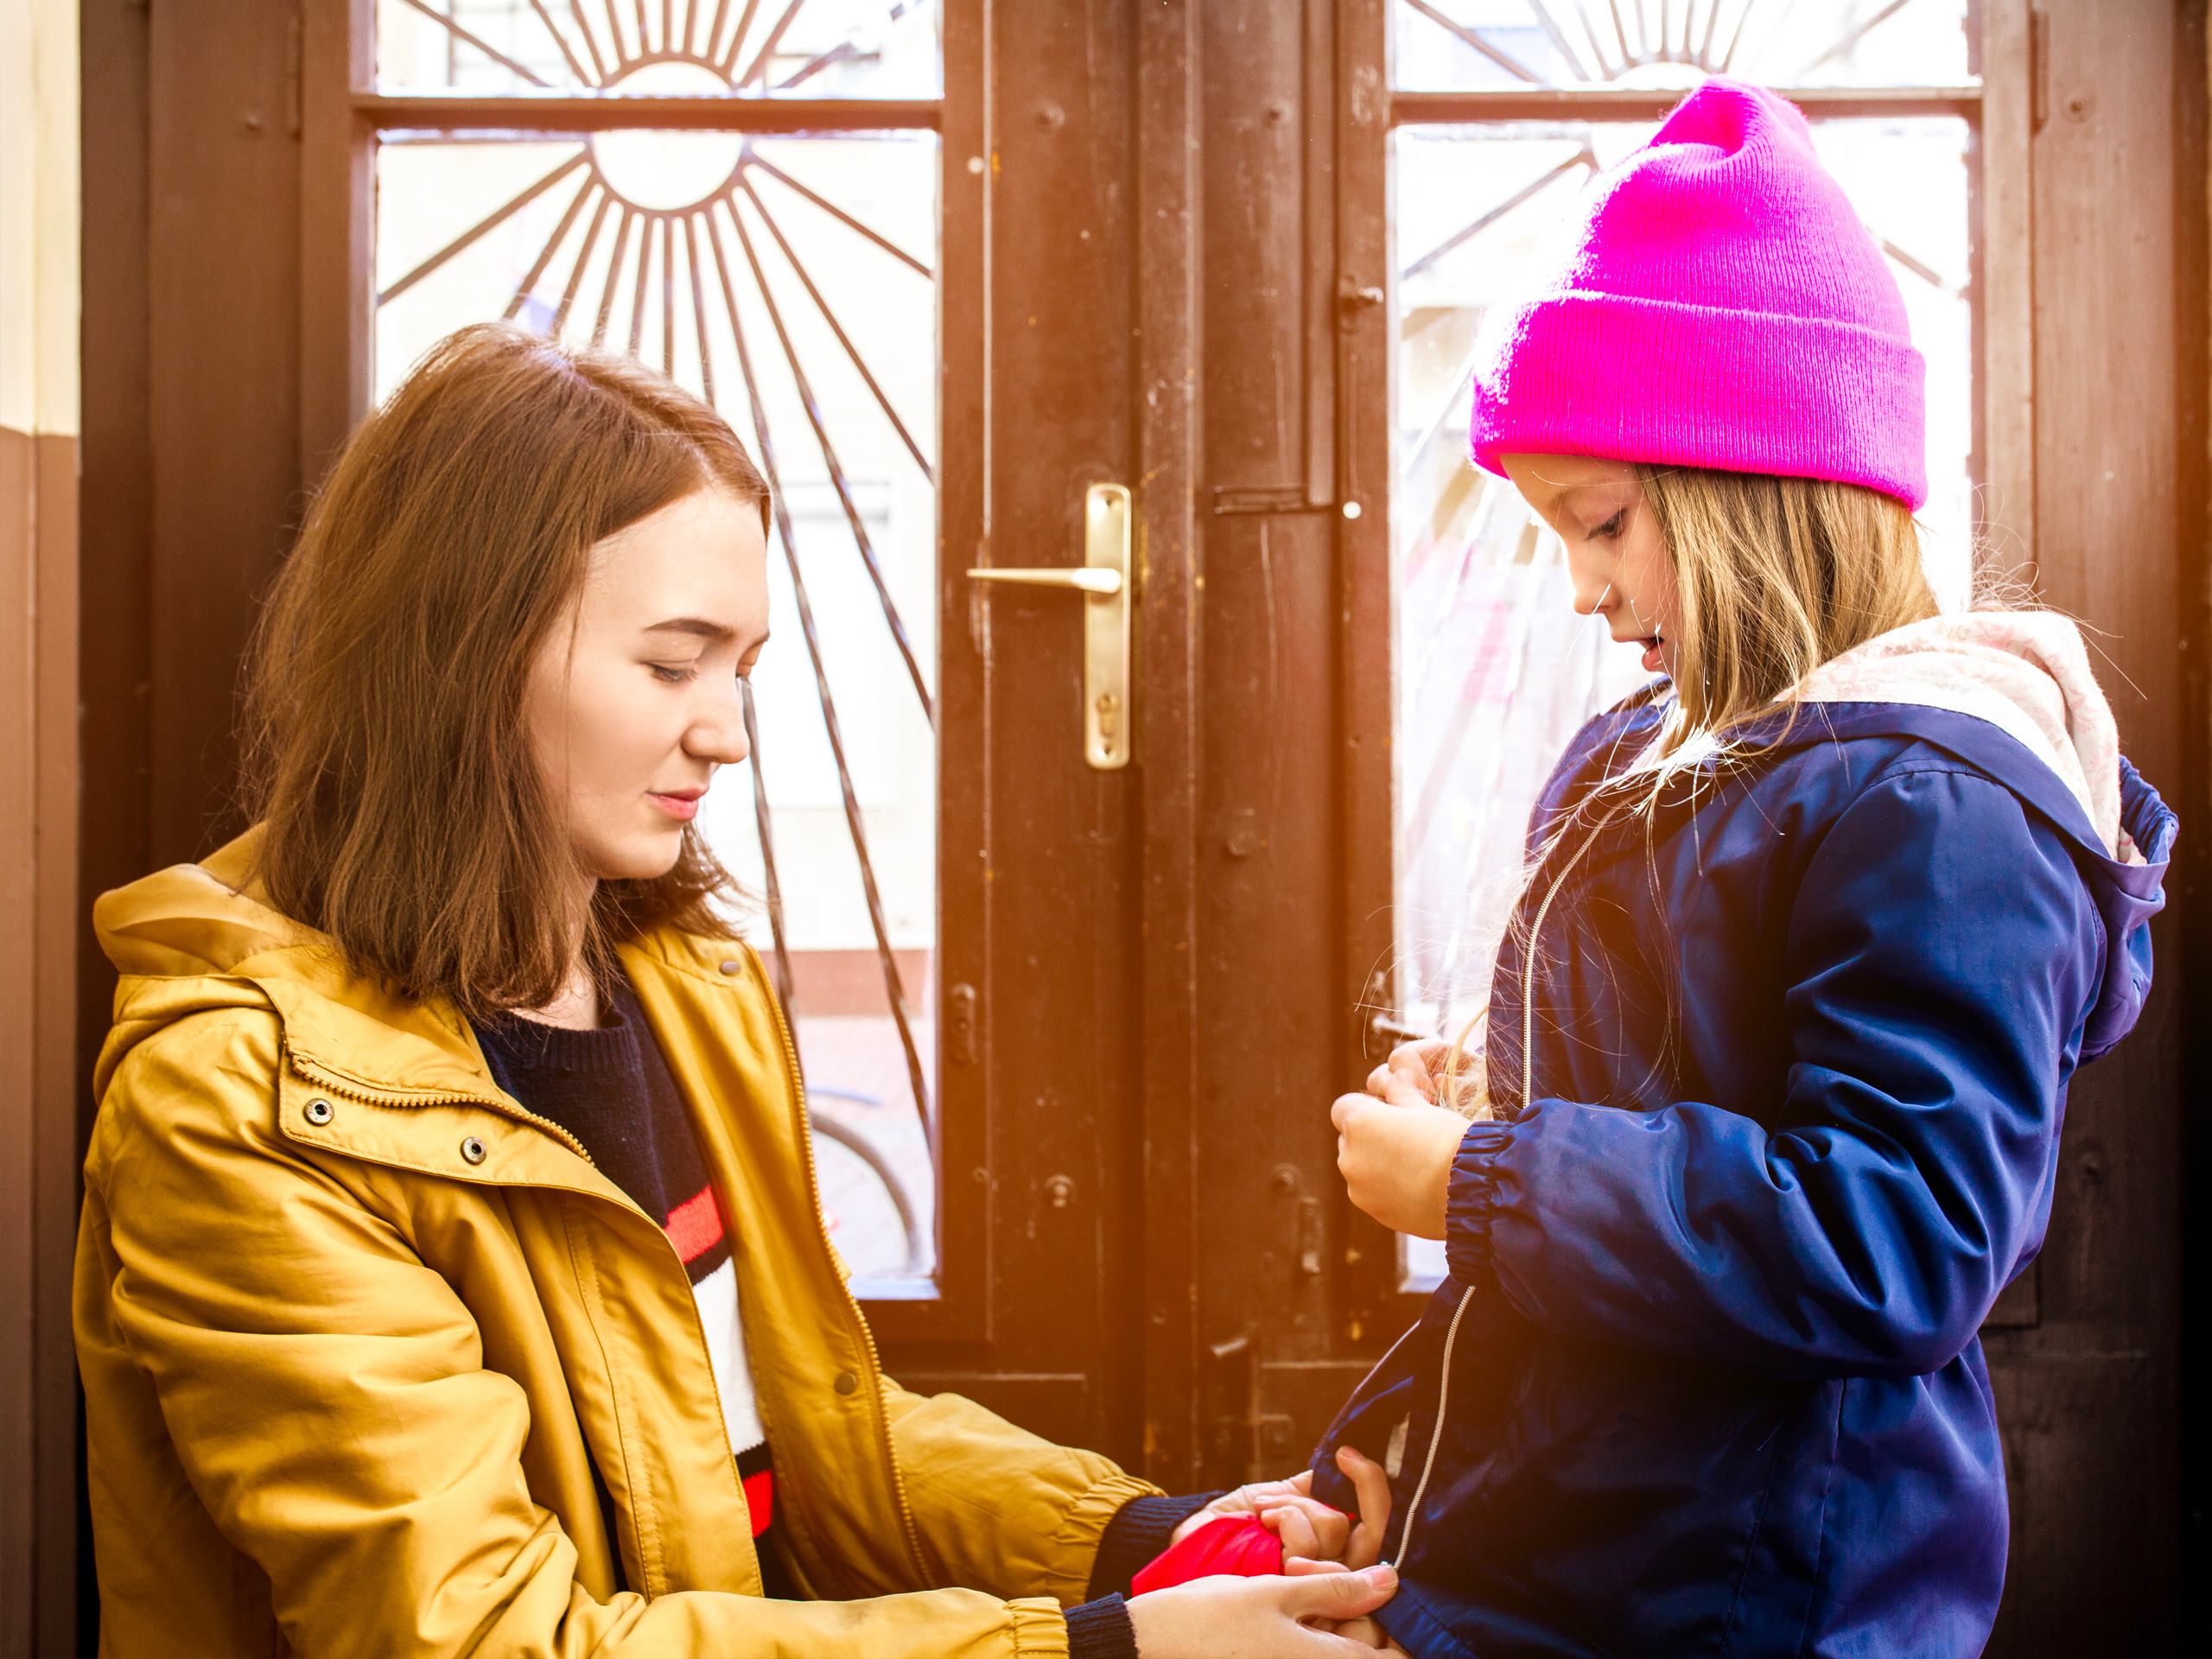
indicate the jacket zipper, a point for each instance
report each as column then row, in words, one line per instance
column 323, row 1079
column 906, row 1523
column 308, row 1068
column 1528, row 959
column 1528, row 1089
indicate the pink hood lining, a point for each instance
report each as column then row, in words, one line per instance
column 2027, row 672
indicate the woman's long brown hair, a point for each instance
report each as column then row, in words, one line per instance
column 402, row 810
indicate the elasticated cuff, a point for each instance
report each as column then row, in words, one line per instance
column 1101, row 1629
column 1139, row 1531
column 1038, row 1627
column 1471, row 1202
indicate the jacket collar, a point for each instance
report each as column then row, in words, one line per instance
column 198, row 938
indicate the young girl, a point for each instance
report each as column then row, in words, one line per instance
column 1815, row 931
column 451, row 1277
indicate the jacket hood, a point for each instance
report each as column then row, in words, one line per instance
column 195, row 938
column 2025, row 672
column 2011, row 694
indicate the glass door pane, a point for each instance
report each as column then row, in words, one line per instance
column 1452, row 45
column 815, row 49
column 790, row 279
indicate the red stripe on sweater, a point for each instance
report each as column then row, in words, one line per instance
column 694, row 1226
column 760, row 1499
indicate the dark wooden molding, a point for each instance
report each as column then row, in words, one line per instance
column 1170, row 367
column 617, row 113
column 1640, row 104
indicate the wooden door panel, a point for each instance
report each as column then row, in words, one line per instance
column 1268, row 856
column 2088, row 1396
column 1036, row 865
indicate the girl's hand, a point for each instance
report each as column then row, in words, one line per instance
column 1396, row 1159
column 1316, row 1536
column 1314, row 1527
column 1414, row 1075
column 1261, row 1618
column 1363, row 1545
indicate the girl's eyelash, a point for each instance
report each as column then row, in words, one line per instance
column 1612, row 525
column 667, row 676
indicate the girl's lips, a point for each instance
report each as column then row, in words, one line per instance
column 683, row 808
column 1653, row 662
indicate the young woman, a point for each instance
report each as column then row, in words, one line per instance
column 1815, row 931
column 451, row 1277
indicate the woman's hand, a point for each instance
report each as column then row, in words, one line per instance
column 1396, row 1158
column 1365, row 1630
column 1261, row 1618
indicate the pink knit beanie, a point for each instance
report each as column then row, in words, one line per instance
column 1712, row 302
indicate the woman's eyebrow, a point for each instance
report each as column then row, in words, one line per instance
column 698, row 625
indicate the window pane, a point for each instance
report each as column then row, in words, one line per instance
column 1458, row 45
column 735, row 264
column 1495, row 671
column 805, row 48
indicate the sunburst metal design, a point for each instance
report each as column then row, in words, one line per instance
column 1595, row 45
column 600, row 46
column 667, row 279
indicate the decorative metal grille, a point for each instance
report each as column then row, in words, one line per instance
column 817, row 47
column 733, row 253
column 1576, row 43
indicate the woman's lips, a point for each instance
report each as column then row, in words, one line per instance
column 683, row 808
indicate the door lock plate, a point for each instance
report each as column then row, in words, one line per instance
column 1107, row 581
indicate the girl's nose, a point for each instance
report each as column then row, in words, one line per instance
column 1587, row 604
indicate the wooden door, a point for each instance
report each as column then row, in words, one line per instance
column 1162, row 253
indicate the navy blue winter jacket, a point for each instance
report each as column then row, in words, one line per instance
column 1706, row 1355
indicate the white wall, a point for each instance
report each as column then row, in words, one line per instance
column 38, row 215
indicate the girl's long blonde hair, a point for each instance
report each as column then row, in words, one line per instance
column 1773, row 576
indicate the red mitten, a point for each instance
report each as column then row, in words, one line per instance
column 1238, row 1546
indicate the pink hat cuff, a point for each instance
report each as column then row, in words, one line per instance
column 1623, row 377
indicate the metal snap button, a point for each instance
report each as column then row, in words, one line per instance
column 472, row 1149
column 847, row 1381
column 732, row 967
column 318, row 1112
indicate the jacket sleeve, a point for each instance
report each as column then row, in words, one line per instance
column 997, row 1506
column 326, row 1396
column 1942, row 956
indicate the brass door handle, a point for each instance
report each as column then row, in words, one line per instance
column 1104, row 578
column 1091, row 582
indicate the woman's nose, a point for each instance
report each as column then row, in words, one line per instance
column 719, row 734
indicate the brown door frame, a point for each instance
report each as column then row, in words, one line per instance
column 214, row 251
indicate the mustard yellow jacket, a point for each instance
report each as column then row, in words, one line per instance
column 340, row 1378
